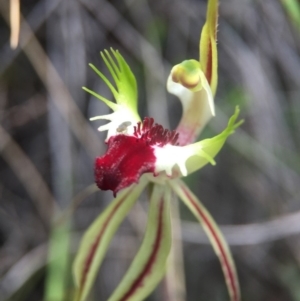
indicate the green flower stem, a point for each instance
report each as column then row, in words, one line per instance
column 58, row 262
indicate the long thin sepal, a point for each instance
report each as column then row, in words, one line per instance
column 192, row 157
column 215, row 236
column 207, row 149
column 208, row 45
column 97, row 238
column 148, row 267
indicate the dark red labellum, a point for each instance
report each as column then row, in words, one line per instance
column 126, row 159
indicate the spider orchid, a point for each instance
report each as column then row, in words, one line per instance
column 140, row 153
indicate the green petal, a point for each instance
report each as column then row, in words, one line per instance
column 205, row 150
column 148, row 267
column 97, row 238
column 215, row 236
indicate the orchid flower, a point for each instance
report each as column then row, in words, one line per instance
column 140, row 153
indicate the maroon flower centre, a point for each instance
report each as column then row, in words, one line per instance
column 128, row 157
column 155, row 134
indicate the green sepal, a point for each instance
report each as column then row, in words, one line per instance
column 205, row 150
column 214, row 234
column 148, row 267
column 97, row 238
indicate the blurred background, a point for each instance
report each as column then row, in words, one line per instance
column 48, row 145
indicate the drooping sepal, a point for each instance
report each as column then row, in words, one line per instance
column 148, row 267
column 215, row 236
column 97, row 238
column 124, row 91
